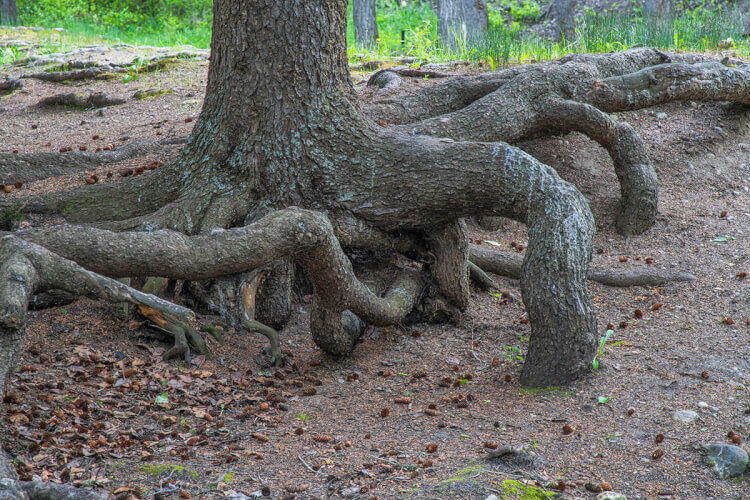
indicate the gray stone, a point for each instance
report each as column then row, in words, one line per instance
column 686, row 416
column 728, row 460
column 661, row 115
column 492, row 497
column 611, row 495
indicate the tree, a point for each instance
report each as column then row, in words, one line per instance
column 365, row 22
column 562, row 13
column 8, row 12
column 285, row 167
column 657, row 9
column 461, row 20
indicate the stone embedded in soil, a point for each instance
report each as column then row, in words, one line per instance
column 611, row 495
column 728, row 460
column 685, row 416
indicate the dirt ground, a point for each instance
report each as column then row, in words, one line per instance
column 415, row 411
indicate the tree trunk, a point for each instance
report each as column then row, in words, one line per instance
column 8, row 12
column 461, row 20
column 562, row 12
column 657, row 9
column 365, row 23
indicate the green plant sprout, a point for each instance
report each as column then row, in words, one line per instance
column 603, row 347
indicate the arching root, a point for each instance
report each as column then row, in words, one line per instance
column 306, row 235
column 508, row 265
column 184, row 335
column 248, row 294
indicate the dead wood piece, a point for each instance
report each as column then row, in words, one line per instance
column 508, row 265
column 72, row 99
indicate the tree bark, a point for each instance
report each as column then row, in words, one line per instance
column 461, row 20
column 562, row 13
column 365, row 23
column 8, row 12
column 657, row 9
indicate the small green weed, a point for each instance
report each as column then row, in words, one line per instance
column 603, row 347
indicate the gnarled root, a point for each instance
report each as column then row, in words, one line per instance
column 304, row 234
column 572, row 94
column 505, row 264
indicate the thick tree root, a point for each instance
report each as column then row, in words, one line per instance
column 462, row 179
column 572, row 94
column 73, row 100
column 28, row 268
column 509, row 265
column 307, row 235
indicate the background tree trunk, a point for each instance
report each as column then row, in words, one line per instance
column 8, row 12
column 562, row 13
column 657, row 9
column 365, row 22
column 461, row 20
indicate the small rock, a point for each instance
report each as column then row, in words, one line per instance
column 702, row 405
column 611, row 495
column 350, row 492
column 661, row 115
column 685, row 416
column 492, row 497
column 728, row 460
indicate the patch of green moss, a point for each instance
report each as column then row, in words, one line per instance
column 148, row 94
column 515, row 490
column 545, row 390
column 465, row 474
column 10, row 217
column 161, row 469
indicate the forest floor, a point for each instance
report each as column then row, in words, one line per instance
column 415, row 411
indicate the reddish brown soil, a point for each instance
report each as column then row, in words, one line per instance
column 83, row 408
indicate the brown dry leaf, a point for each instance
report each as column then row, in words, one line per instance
column 261, row 437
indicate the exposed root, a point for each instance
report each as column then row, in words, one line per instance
column 183, row 334
column 573, row 94
column 248, row 294
column 10, row 85
column 13, row 489
column 450, row 248
column 92, row 100
column 391, row 77
column 509, row 265
column 481, row 279
column 305, row 234
column 638, row 183
column 462, row 179
column 28, row 167
column 97, row 72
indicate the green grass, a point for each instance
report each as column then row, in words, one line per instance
column 699, row 30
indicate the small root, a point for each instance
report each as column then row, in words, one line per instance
column 482, row 279
column 508, row 265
